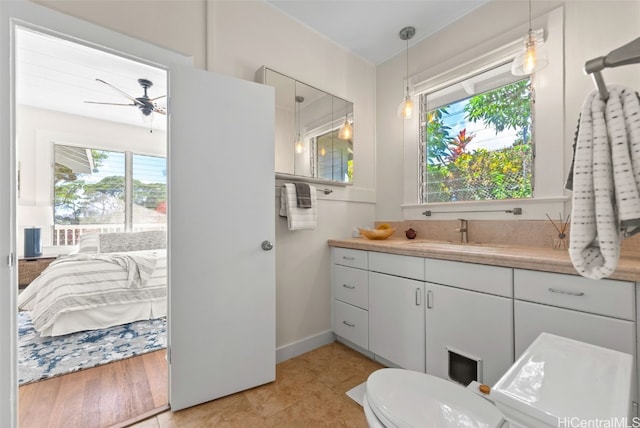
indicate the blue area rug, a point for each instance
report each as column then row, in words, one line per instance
column 44, row 357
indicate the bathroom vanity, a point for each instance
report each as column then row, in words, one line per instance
column 466, row 312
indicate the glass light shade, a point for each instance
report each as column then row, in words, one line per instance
column 405, row 109
column 299, row 146
column 346, row 131
column 533, row 57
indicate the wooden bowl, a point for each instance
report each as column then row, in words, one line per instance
column 377, row 233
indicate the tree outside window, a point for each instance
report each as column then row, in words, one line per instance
column 90, row 190
column 479, row 147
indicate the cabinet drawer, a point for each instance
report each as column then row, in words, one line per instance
column 470, row 276
column 349, row 257
column 393, row 264
column 603, row 296
column 352, row 323
column 350, row 286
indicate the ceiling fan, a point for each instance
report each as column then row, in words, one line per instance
column 146, row 105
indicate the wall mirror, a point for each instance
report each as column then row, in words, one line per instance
column 314, row 130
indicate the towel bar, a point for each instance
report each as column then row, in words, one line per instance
column 325, row 191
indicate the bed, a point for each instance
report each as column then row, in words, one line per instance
column 113, row 279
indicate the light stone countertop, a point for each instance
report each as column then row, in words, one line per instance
column 514, row 256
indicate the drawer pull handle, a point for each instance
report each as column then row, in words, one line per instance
column 350, row 287
column 348, row 258
column 418, row 296
column 429, row 299
column 570, row 293
column 348, row 324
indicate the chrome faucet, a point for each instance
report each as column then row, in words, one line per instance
column 464, row 228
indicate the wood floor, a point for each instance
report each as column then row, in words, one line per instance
column 99, row 397
column 309, row 391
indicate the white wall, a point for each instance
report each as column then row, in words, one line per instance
column 248, row 35
column 236, row 38
column 591, row 29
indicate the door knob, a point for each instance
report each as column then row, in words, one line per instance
column 266, row 245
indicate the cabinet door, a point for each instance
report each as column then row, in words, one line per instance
column 396, row 320
column 475, row 325
column 531, row 319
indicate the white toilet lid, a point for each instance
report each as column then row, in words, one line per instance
column 559, row 379
column 404, row 398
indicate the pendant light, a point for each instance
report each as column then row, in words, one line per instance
column 533, row 56
column 405, row 109
column 299, row 144
column 346, row 130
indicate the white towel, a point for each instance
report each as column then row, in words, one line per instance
column 606, row 179
column 297, row 218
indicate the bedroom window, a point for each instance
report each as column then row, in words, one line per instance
column 106, row 191
column 476, row 139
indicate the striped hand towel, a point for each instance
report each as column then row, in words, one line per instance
column 606, row 179
column 298, row 218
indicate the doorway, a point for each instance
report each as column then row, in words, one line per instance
column 222, row 329
column 93, row 162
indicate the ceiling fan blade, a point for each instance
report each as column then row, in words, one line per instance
column 110, row 104
column 160, row 110
column 135, row 102
column 157, row 98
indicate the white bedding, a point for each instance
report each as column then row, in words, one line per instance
column 92, row 291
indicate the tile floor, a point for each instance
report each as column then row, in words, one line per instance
column 309, row 391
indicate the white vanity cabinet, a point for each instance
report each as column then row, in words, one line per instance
column 599, row 312
column 469, row 334
column 396, row 320
column 350, row 318
column 396, row 309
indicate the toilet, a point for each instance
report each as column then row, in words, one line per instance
column 556, row 382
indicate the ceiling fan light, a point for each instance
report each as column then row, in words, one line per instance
column 147, row 116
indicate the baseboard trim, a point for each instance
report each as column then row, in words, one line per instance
column 291, row 350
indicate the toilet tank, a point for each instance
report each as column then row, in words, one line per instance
column 562, row 382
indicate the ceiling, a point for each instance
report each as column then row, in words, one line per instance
column 369, row 28
column 60, row 75
column 56, row 74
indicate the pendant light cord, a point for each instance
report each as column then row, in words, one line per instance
column 407, row 75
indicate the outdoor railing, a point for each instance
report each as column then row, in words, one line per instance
column 69, row 234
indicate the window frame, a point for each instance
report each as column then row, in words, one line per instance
column 423, row 99
column 128, row 156
column 551, row 151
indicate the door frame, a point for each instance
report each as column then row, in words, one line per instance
column 25, row 14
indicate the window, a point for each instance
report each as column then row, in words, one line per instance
column 334, row 157
column 476, row 139
column 149, row 209
column 106, row 191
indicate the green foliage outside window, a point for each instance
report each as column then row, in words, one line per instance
column 454, row 172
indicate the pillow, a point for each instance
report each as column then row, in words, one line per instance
column 89, row 243
column 133, row 241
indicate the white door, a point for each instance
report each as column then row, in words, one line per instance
column 221, row 208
